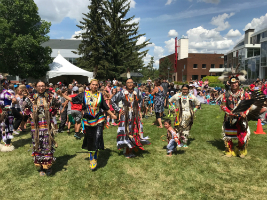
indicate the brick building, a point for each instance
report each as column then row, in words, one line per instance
column 194, row 65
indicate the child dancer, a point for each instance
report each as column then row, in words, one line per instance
column 172, row 137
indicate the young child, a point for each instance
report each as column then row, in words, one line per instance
column 146, row 102
column 151, row 98
column 171, row 105
column 107, row 98
column 171, row 137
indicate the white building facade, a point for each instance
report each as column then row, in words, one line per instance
column 251, row 53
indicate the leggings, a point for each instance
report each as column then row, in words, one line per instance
column 18, row 117
column 158, row 115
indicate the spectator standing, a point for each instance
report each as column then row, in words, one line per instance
column 76, row 112
column 63, row 111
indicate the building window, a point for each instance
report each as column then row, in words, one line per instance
column 221, row 65
column 194, row 77
column 212, row 66
column 195, row 66
column 257, row 52
column 250, row 53
column 253, row 52
column 203, row 66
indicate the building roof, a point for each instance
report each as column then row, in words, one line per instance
column 62, row 44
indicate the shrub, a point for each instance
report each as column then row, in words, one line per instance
column 212, row 79
column 180, row 83
column 221, row 85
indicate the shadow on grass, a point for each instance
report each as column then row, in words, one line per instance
column 61, row 161
column 103, row 158
column 22, row 142
column 217, row 143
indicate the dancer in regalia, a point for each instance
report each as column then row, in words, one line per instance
column 130, row 130
column 93, row 119
column 235, row 125
column 186, row 104
column 6, row 117
column 41, row 105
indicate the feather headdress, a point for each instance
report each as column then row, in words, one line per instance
column 233, row 75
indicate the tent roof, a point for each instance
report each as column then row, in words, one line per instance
column 61, row 66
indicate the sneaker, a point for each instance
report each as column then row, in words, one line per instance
column 114, row 124
column 185, row 146
column 108, row 124
column 168, row 115
column 77, row 136
column 180, row 145
column 171, row 115
column 15, row 132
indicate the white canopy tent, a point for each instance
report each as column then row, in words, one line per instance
column 61, row 69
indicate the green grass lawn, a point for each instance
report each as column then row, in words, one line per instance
column 199, row 172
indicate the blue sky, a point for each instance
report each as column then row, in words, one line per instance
column 210, row 25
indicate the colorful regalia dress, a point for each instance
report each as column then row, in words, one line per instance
column 235, row 127
column 6, row 119
column 93, row 122
column 184, row 114
column 41, row 107
column 130, row 130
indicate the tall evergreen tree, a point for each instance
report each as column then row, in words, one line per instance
column 124, row 52
column 163, row 68
column 93, row 45
column 21, row 34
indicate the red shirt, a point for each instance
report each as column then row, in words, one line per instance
column 252, row 87
column 75, row 106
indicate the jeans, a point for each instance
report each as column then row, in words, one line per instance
column 171, row 146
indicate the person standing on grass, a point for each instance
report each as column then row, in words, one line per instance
column 235, row 126
column 130, row 130
column 172, row 137
column 158, row 101
column 76, row 112
column 93, row 119
column 7, row 97
column 185, row 112
column 63, row 111
column 40, row 106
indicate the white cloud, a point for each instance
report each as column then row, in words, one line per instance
column 231, row 33
column 170, row 45
column 135, row 20
column 172, row 33
column 77, row 33
column 200, row 34
column 151, row 45
column 132, row 4
column 209, row 1
column 206, row 41
column 168, row 2
column 220, row 23
column 141, row 40
column 257, row 23
column 56, row 10
column 158, row 52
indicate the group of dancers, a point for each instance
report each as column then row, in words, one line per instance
column 130, row 130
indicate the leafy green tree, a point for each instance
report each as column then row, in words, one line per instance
column 163, row 68
column 94, row 39
column 21, row 34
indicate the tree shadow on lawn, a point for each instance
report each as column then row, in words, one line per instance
column 22, row 142
column 217, row 143
column 61, row 161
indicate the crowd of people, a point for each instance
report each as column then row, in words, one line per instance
column 93, row 106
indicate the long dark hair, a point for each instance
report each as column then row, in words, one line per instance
column 185, row 85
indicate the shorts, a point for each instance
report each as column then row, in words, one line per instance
column 77, row 115
column 146, row 104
